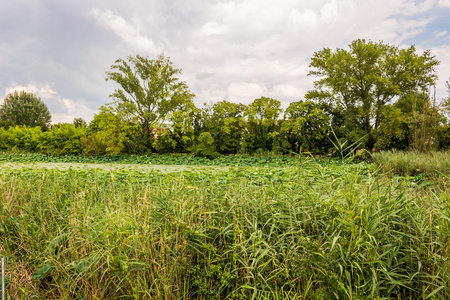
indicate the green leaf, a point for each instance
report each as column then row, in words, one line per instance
column 42, row 272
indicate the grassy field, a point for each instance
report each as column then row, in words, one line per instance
column 298, row 229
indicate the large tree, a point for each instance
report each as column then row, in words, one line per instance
column 367, row 77
column 226, row 124
column 150, row 89
column 23, row 108
column 305, row 126
column 262, row 115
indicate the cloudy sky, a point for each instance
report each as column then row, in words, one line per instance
column 235, row 50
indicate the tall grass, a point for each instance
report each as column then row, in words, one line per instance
column 311, row 232
column 408, row 163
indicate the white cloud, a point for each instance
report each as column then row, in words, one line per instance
column 439, row 34
column 444, row 3
column 290, row 91
column 245, row 92
column 73, row 109
column 213, row 28
column 442, row 53
column 130, row 33
column 43, row 92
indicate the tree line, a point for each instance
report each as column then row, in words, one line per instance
column 373, row 95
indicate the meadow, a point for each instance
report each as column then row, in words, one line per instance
column 238, row 227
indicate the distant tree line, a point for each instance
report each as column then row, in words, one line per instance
column 373, row 95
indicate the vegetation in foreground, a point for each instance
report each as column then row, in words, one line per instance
column 309, row 231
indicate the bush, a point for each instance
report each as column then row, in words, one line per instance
column 205, row 146
column 20, row 137
column 108, row 134
column 63, row 139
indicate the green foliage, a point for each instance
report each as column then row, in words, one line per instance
column 446, row 102
column 226, row 124
column 149, row 90
column 205, row 146
column 305, row 127
column 178, row 136
column 108, row 134
column 6, row 124
column 20, row 137
column 263, row 128
column 424, row 125
column 274, row 161
column 314, row 231
column 25, row 109
column 393, row 132
column 411, row 163
column 63, row 139
column 361, row 81
column 79, row 122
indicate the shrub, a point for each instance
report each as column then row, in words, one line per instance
column 205, row 146
column 20, row 137
column 63, row 139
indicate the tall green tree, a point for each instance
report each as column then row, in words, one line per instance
column 305, row 126
column 178, row 134
column 263, row 127
column 23, row 108
column 226, row 124
column 368, row 76
column 150, row 89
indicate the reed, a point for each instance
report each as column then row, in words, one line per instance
column 411, row 163
column 309, row 232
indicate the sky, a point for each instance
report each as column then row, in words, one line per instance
column 234, row 50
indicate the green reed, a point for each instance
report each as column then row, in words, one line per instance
column 309, row 232
column 410, row 163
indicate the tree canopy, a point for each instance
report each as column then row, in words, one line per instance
column 371, row 95
column 23, row 108
column 150, row 88
column 368, row 76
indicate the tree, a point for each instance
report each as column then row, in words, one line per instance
column 178, row 135
column 305, row 126
column 205, row 146
column 150, row 89
column 109, row 134
column 25, row 109
column 262, row 116
column 368, row 76
column 79, row 122
column 393, row 132
column 226, row 124
column 63, row 138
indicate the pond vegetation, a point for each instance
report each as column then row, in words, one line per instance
column 262, row 228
